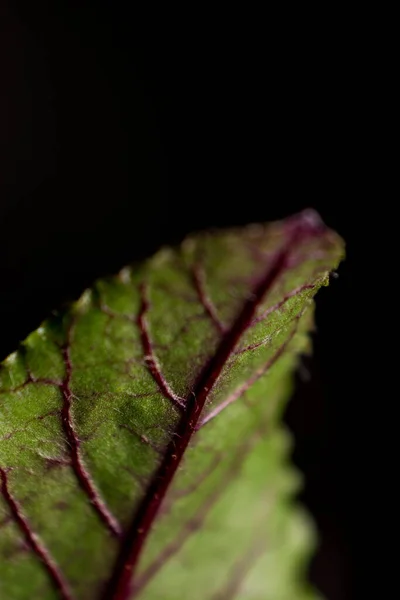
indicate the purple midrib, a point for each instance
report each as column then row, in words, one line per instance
column 120, row 584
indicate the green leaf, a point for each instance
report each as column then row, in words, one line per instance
column 141, row 451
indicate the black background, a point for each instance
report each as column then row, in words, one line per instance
column 122, row 131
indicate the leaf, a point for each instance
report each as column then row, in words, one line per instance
column 141, row 452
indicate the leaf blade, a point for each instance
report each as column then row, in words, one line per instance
column 130, row 358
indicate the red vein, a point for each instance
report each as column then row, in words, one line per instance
column 120, row 583
column 194, row 523
column 279, row 305
column 208, row 305
column 253, row 346
column 242, row 389
column 202, row 477
column 10, row 434
column 33, row 380
column 149, row 356
column 190, row 527
column 141, row 480
column 77, row 463
column 183, row 329
column 33, row 540
column 143, row 438
column 239, row 571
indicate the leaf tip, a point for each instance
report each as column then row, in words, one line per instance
column 308, row 222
